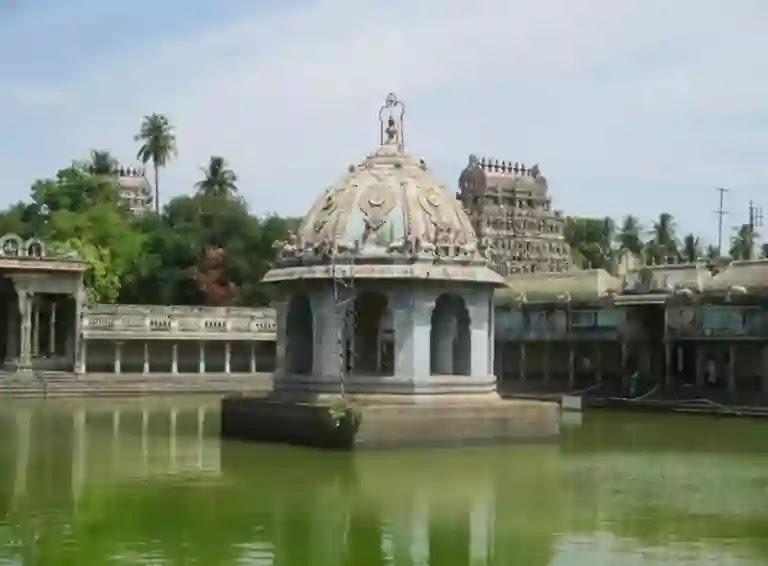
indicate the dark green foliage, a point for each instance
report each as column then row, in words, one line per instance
column 156, row 259
column 590, row 240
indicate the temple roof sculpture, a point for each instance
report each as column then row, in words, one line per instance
column 389, row 210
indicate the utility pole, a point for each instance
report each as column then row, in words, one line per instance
column 755, row 217
column 720, row 213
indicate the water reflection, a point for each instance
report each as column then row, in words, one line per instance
column 149, row 481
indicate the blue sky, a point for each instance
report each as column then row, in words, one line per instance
column 633, row 106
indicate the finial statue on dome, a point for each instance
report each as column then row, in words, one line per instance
column 393, row 110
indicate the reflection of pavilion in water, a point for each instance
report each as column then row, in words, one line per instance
column 471, row 506
column 106, row 442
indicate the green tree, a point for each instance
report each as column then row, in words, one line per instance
column 590, row 241
column 202, row 246
column 663, row 246
column 691, row 248
column 743, row 243
column 628, row 236
column 712, row 252
column 158, row 145
column 217, row 180
column 102, row 162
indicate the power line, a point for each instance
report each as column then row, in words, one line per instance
column 720, row 213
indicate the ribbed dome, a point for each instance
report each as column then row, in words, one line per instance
column 389, row 209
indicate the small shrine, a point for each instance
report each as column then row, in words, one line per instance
column 384, row 292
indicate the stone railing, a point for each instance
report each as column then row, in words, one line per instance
column 184, row 322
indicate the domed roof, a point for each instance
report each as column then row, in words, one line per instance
column 389, row 210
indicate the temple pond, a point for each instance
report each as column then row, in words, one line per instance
column 150, row 482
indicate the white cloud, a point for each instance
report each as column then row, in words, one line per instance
column 626, row 105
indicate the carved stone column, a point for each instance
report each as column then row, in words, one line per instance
column 80, row 346
column 145, row 365
column 25, row 299
column 227, row 357
column 201, row 358
column 252, row 365
column 36, row 300
column 523, row 364
column 52, row 328
column 118, row 357
column 175, row 358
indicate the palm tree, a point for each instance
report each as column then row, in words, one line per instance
column 628, row 237
column 743, row 242
column 664, row 238
column 218, row 180
column 102, row 162
column 159, row 145
column 691, row 248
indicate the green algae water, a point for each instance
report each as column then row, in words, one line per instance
column 150, row 482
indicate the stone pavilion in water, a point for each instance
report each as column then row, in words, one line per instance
column 386, row 291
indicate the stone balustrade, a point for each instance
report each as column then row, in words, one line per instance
column 178, row 323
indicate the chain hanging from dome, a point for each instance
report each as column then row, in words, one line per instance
column 393, row 111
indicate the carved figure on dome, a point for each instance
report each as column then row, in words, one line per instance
column 431, row 201
column 376, row 203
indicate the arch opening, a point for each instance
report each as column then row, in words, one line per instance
column 299, row 336
column 450, row 339
column 373, row 341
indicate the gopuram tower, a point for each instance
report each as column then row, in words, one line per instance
column 511, row 211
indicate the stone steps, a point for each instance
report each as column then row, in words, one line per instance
column 68, row 385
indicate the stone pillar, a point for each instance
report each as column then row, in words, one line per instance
column 764, row 380
column 175, row 358
column 227, row 357
column 326, row 350
column 145, row 365
column 546, row 361
column 118, row 358
column 667, row 364
column 25, row 299
column 571, row 366
column 52, row 329
column 79, row 340
column 82, row 356
column 411, row 316
column 35, row 326
column 731, row 369
column 201, row 357
column 252, row 359
column 479, row 305
column 523, row 373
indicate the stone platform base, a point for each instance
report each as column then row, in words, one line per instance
column 385, row 421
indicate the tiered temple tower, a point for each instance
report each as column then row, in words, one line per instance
column 511, row 212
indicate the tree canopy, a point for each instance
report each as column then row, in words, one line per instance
column 202, row 249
